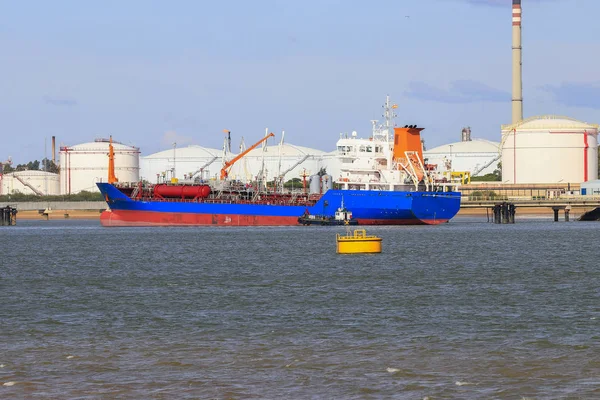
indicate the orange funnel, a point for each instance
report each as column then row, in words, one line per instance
column 408, row 151
column 407, row 139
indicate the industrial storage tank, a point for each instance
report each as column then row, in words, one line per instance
column 280, row 159
column 182, row 191
column 184, row 163
column 549, row 149
column 326, row 183
column 34, row 182
column 477, row 156
column 83, row 165
column 315, row 184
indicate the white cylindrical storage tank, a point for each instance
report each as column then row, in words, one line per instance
column 549, row 149
column 315, row 184
column 188, row 163
column 326, row 183
column 477, row 156
column 83, row 165
column 288, row 160
column 34, row 182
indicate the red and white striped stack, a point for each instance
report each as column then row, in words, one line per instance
column 516, row 13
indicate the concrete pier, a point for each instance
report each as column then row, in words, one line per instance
column 577, row 204
column 557, row 209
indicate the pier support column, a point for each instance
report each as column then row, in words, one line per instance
column 505, row 216
column 567, row 214
column 555, row 209
column 497, row 214
column 511, row 213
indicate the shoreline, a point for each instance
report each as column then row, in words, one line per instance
column 60, row 214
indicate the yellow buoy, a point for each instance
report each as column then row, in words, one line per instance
column 359, row 242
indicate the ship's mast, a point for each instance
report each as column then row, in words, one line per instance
column 385, row 131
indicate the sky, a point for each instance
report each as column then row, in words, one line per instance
column 151, row 73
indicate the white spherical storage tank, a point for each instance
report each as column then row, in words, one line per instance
column 185, row 162
column 477, row 156
column 83, row 165
column 39, row 183
column 549, row 149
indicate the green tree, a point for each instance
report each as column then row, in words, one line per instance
column 293, row 183
column 49, row 166
column 498, row 171
column 495, row 176
column 33, row 165
column 30, row 166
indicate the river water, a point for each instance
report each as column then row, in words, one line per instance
column 465, row 310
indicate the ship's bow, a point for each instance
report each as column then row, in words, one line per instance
column 434, row 208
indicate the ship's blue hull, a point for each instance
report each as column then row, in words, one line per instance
column 369, row 207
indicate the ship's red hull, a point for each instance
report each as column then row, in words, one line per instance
column 151, row 218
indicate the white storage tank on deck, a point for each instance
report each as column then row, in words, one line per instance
column 315, row 184
column 549, row 149
column 326, row 183
column 35, row 182
column 83, row 165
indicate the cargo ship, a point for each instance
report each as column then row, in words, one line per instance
column 383, row 180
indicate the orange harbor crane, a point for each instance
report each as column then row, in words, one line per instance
column 229, row 164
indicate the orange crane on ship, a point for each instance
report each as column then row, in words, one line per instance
column 229, row 164
column 112, row 178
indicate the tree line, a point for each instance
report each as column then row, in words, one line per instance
column 36, row 165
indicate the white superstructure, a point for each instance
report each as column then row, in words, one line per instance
column 83, row 165
column 34, row 182
column 390, row 159
column 549, row 149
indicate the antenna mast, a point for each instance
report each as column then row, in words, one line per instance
column 386, row 131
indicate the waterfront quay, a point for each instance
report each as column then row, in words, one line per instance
column 534, row 198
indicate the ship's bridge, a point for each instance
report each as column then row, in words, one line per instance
column 355, row 148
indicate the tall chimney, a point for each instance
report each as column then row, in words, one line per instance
column 54, row 149
column 517, row 82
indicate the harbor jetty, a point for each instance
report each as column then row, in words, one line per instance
column 504, row 210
